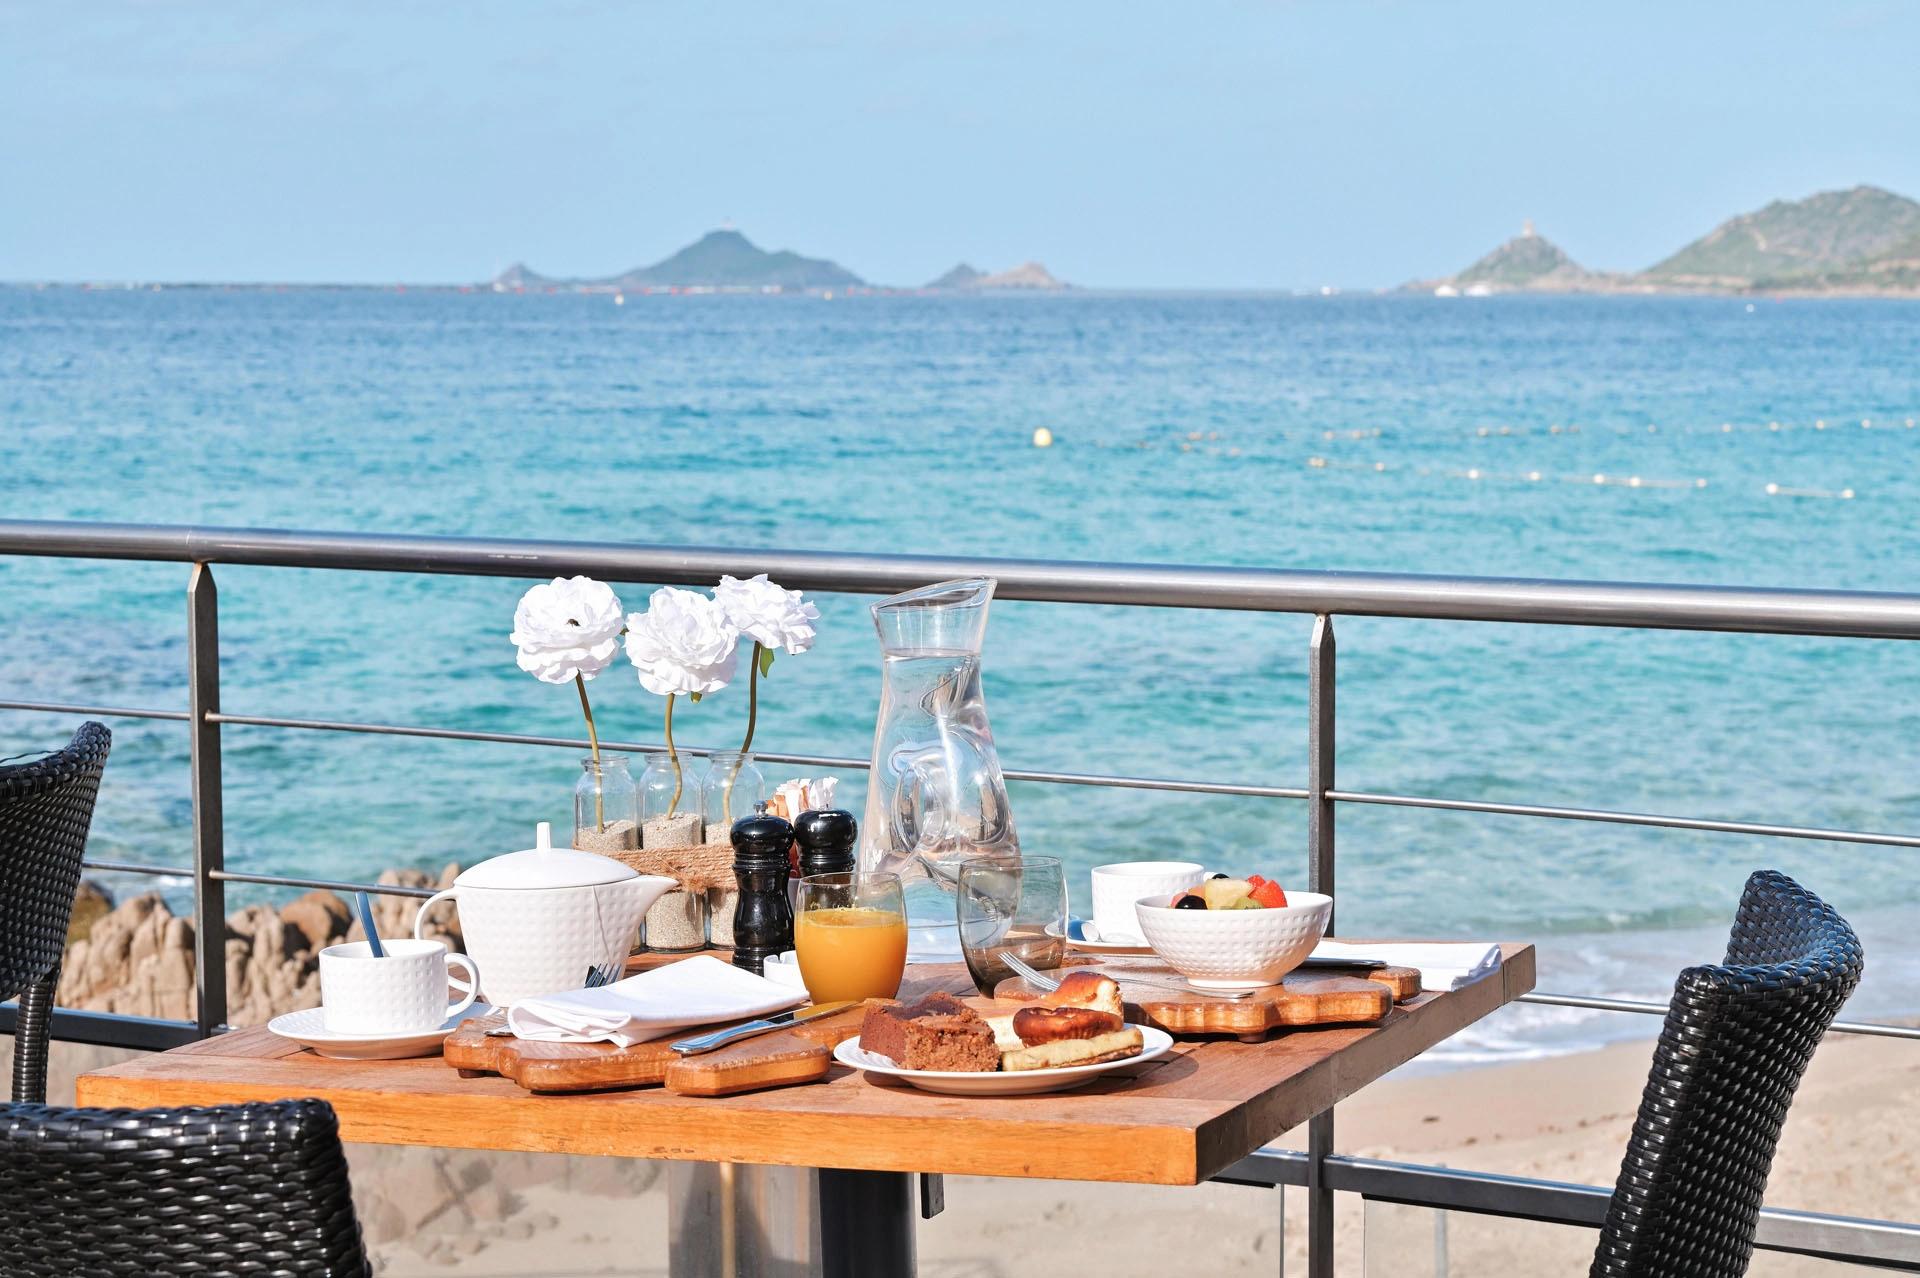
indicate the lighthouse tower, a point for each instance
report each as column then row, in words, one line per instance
column 1526, row 229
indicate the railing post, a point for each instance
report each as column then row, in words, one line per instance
column 1320, row 726
column 209, row 841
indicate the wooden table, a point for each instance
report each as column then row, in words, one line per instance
column 1184, row 1118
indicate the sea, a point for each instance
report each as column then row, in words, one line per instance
column 1740, row 441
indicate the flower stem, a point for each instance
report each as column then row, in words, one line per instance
column 753, row 698
column 673, row 804
column 753, row 716
column 593, row 739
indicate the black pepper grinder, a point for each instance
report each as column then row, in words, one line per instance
column 763, row 921
column 826, row 841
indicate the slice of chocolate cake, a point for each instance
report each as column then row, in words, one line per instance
column 937, row 1033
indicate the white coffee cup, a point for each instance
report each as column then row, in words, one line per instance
column 403, row 993
column 1116, row 887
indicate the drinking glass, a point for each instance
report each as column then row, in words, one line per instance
column 850, row 933
column 1011, row 904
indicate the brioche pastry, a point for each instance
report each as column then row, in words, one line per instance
column 1082, row 1026
column 1088, row 989
column 1036, row 1025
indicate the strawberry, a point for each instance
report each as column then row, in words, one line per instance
column 1269, row 894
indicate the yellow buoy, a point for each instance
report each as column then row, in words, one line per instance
column 1042, row 437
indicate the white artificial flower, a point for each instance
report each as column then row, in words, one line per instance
column 683, row 642
column 768, row 612
column 571, row 626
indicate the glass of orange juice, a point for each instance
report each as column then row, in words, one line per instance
column 850, row 932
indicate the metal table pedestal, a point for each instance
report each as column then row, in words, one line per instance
column 743, row 1220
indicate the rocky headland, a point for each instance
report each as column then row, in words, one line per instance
column 136, row 957
column 1859, row 241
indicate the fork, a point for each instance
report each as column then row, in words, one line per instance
column 1047, row 984
column 601, row 974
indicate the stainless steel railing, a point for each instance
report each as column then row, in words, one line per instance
column 1324, row 596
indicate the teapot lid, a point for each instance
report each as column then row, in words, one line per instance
column 545, row 866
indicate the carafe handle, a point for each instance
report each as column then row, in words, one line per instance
column 922, row 817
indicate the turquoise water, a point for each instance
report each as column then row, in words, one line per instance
column 1357, row 433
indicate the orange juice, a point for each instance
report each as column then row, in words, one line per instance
column 852, row 952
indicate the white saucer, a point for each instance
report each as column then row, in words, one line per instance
column 1076, row 938
column 308, row 1028
column 1132, row 947
column 1028, row 1082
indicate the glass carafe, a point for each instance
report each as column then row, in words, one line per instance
column 935, row 796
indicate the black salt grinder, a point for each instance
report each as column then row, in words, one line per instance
column 763, row 920
column 826, row 841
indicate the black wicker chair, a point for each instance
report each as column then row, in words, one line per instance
column 46, row 806
column 256, row 1189
column 1736, row 1041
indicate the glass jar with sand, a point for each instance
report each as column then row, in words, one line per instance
column 670, row 801
column 606, row 806
column 733, row 786
column 670, row 819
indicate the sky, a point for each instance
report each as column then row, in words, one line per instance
column 1211, row 145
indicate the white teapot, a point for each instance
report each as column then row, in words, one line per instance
column 548, row 919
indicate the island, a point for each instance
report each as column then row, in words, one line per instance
column 720, row 261
column 1865, row 240
column 1026, row 277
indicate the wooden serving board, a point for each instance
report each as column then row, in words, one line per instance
column 1317, row 997
column 782, row 1058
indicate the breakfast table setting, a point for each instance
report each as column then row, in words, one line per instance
column 895, row 998
column 793, row 1142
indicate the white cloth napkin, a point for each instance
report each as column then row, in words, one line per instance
column 652, row 1004
column 1444, row 965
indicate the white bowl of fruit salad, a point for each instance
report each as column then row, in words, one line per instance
column 1234, row 934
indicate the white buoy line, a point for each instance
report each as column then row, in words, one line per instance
column 1718, row 428
column 1192, row 441
column 1590, row 479
column 1781, row 490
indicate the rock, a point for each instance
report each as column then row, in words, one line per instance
column 91, row 903
column 321, row 917
column 281, row 968
column 163, row 988
column 137, row 959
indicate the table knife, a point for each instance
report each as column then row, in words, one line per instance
column 780, row 1020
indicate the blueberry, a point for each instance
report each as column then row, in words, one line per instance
column 1189, row 903
column 1217, row 876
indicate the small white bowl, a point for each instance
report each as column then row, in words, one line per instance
column 1235, row 949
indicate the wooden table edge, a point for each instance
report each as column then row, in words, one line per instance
column 1195, row 1142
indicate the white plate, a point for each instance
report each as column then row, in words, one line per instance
column 1027, row 1082
column 308, row 1028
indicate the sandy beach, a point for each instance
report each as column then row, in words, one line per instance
column 1852, row 1146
